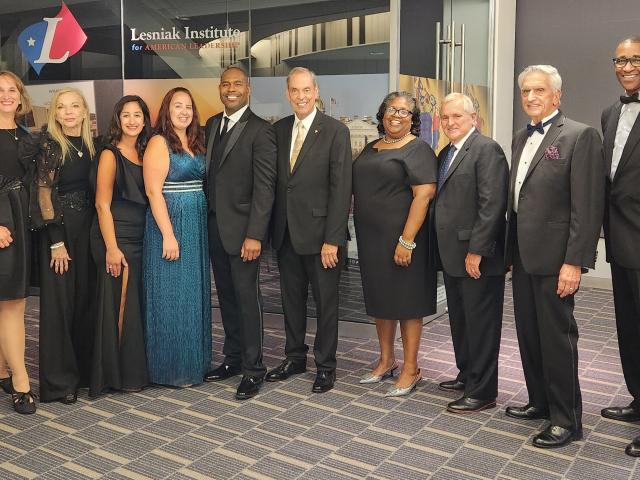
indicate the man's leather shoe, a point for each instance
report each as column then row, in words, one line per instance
column 528, row 412
column 285, row 370
column 450, row 385
column 470, row 405
column 69, row 398
column 624, row 414
column 249, row 387
column 324, row 381
column 223, row 372
column 633, row 449
column 555, row 436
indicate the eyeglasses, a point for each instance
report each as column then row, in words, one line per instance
column 621, row 62
column 401, row 112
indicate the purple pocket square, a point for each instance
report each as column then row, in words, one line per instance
column 551, row 153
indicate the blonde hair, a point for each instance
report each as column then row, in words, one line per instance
column 55, row 129
column 25, row 101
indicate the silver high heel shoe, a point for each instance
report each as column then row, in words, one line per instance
column 371, row 378
column 401, row 392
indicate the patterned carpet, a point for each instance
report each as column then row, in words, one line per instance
column 351, row 432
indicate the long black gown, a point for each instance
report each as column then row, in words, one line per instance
column 119, row 359
column 66, row 327
column 382, row 196
column 14, row 259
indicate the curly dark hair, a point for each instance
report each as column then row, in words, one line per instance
column 114, row 133
column 415, row 111
column 164, row 127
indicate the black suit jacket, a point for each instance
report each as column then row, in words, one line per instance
column 313, row 201
column 469, row 208
column 622, row 213
column 241, row 187
column 561, row 201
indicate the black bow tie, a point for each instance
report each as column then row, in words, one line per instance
column 626, row 99
column 539, row 127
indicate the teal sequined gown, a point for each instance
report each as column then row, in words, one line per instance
column 177, row 294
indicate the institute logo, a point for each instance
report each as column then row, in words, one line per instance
column 53, row 40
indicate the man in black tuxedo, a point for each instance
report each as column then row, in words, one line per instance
column 469, row 219
column 313, row 196
column 621, row 129
column 554, row 215
column 241, row 176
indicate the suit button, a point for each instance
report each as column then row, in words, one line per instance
column 289, row 189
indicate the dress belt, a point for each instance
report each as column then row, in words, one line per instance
column 188, row 186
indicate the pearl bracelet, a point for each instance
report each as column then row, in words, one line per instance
column 405, row 244
column 56, row 245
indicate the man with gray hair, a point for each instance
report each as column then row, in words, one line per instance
column 554, row 215
column 468, row 216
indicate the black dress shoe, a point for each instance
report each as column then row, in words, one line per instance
column 555, row 436
column 633, row 449
column 223, row 372
column 528, row 412
column 470, row 405
column 249, row 387
column 69, row 398
column 324, row 381
column 450, row 385
column 624, row 414
column 7, row 385
column 285, row 370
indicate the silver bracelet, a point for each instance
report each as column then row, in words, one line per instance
column 405, row 244
column 56, row 245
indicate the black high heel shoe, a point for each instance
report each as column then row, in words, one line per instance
column 6, row 385
column 24, row 402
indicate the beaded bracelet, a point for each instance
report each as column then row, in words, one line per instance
column 405, row 244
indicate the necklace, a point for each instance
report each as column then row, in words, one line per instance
column 14, row 134
column 79, row 151
column 395, row 140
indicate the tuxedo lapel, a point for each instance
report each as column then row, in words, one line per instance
column 215, row 125
column 610, row 136
column 283, row 153
column 549, row 138
column 234, row 134
column 312, row 135
column 632, row 141
column 515, row 160
column 460, row 156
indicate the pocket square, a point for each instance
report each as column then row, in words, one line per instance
column 551, row 153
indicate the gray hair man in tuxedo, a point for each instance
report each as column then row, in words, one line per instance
column 554, row 215
column 621, row 130
column 469, row 218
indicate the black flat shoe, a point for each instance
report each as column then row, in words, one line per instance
column 633, row 449
column 470, row 405
column 450, row 385
column 555, row 436
column 285, row 370
column 223, row 372
column 528, row 412
column 623, row 414
column 69, row 398
column 6, row 385
column 324, row 381
column 249, row 387
column 24, row 402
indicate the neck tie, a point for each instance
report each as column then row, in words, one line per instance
column 444, row 168
column 225, row 125
column 626, row 99
column 539, row 127
column 297, row 145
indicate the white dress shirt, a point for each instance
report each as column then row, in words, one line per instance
column 528, row 152
column 628, row 115
column 233, row 118
column 307, row 121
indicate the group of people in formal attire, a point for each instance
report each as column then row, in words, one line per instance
column 125, row 233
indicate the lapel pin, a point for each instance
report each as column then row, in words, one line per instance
column 315, row 131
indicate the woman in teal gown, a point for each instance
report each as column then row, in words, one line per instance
column 176, row 278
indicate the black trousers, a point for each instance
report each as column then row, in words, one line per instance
column 626, row 298
column 548, row 340
column 240, row 305
column 296, row 273
column 475, row 316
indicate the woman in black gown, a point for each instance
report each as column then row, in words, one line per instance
column 14, row 244
column 61, row 205
column 394, row 178
column 119, row 360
